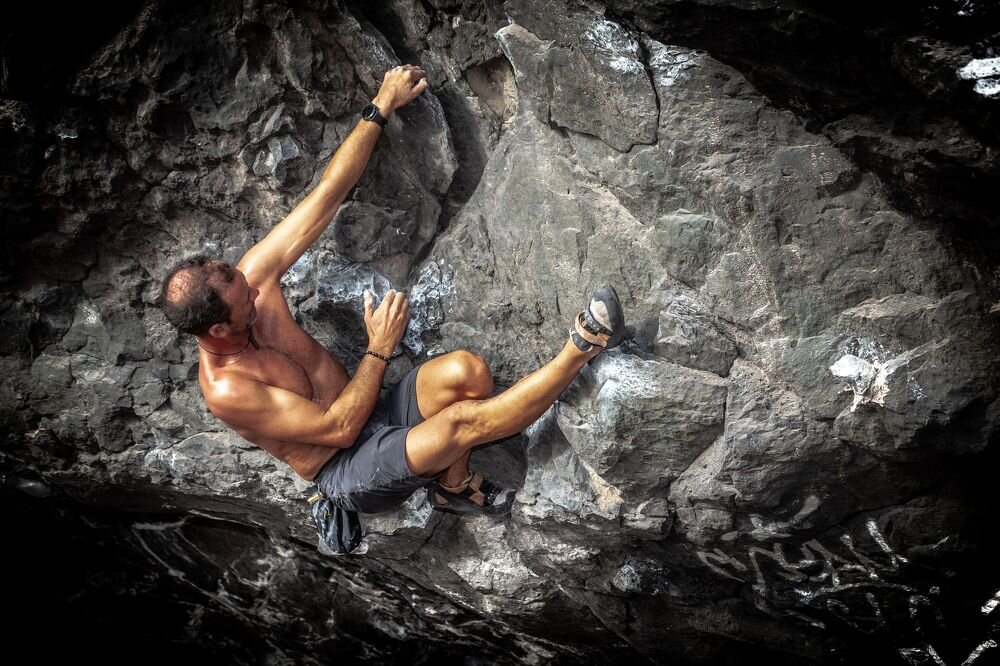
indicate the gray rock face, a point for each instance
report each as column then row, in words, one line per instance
column 790, row 458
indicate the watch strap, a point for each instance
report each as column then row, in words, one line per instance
column 372, row 113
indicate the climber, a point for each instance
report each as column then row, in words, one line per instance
column 269, row 380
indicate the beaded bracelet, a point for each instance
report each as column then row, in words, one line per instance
column 377, row 355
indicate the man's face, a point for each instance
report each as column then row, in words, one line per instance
column 240, row 297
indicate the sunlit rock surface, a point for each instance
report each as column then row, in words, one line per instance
column 791, row 459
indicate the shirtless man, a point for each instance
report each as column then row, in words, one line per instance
column 270, row 381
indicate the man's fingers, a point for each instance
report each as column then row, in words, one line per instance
column 369, row 302
column 387, row 300
column 421, row 86
column 399, row 303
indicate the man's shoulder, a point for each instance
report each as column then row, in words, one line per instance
column 228, row 389
column 256, row 276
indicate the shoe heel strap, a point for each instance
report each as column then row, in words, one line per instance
column 594, row 338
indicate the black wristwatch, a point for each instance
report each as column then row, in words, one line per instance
column 371, row 112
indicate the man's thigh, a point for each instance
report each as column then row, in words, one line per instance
column 443, row 434
column 440, row 441
column 450, row 378
column 419, row 393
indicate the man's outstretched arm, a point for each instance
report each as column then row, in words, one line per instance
column 268, row 260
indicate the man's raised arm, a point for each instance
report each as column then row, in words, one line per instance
column 268, row 260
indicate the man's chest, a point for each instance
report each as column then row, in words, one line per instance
column 291, row 359
column 276, row 368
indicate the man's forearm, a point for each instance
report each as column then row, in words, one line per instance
column 355, row 403
column 351, row 158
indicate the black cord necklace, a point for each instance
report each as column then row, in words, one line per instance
column 250, row 341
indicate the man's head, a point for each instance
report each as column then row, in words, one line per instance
column 197, row 296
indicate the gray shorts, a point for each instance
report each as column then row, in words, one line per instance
column 372, row 475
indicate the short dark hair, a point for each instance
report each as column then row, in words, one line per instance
column 190, row 298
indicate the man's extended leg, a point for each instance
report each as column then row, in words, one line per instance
column 446, row 438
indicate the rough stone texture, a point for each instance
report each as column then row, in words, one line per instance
column 790, row 459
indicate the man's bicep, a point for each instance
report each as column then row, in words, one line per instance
column 274, row 413
column 290, row 238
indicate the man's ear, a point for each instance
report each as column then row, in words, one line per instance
column 220, row 330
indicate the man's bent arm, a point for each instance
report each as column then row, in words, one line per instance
column 272, row 412
column 275, row 413
column 269, row 259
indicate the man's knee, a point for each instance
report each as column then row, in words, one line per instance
column 471, row 375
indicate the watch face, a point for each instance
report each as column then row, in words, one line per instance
column 369, row 112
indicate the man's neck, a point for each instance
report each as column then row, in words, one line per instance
column 229, row 346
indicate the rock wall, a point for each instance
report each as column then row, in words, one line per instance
column 790, row 459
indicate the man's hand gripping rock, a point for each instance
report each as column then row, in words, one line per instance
column 387, row 323
column 400, row 86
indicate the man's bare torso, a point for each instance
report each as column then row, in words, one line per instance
column 288, row 358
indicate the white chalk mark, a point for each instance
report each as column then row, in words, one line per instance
column 809, row 620
column 623, row 378
column 991, row 604
column 721, row 558
column 985, row 645
column 808, row 508
column 980, row 68
column 986, row 71
column 873, row 602
column 762, row 530
column 880, row 540
column 668, row 63
column 617, row 45
column 934, row 655
column 161, row 527
column 988, row 87
column 868, row 380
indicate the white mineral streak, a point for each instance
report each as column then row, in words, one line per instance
column 867, row 374
column 985, row 645
column 967, row 8
column 429, row 298
column 867, row 380
column 616, row 44
column 981, row 68
column 622, row 377
column 880, row 540
column 991, row 604
column 988, row 87
column 668, row 63
column 493, row 566
column 627, row 579
column 298, row 271
column 858, row 372
column 89, row 314
column 384, row 60
column 161, row 527
column 986, row 72
column 764, row 529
